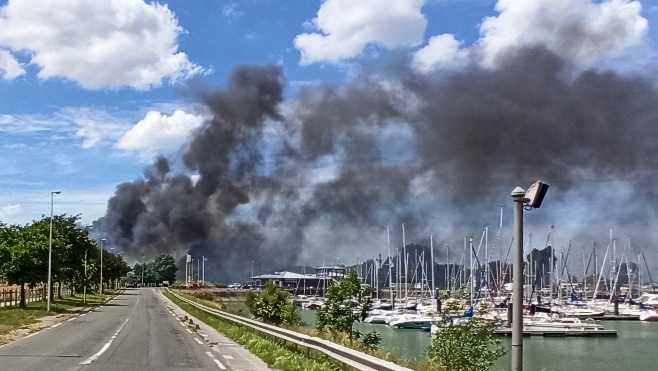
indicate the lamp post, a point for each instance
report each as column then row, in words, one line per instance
column 50, row 247
column 518, row 195
column 143, row 271
column 533, row 199
column 102, row 240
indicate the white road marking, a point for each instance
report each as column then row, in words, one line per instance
column 55, row 325
column 227, row 356
column 198, row 341
column 105, row 347
column 188, row 330
column 72, row 319
column 182, row 324
column 219, row 364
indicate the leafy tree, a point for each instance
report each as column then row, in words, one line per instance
column 70, row 242
column 25, row 256
column 271, row 305
column 342, row 300
column 165, row 268
column 466, row 343
column 114, row 267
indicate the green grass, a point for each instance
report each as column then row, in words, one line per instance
column 240, row 308
column 274, row 352
column 14, row 317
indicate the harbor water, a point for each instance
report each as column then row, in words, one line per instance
column 634, row 348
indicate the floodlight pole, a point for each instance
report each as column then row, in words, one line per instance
column 518, row 196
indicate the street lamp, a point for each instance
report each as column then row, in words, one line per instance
column 50, row 246
column 532, row 199
column 102, row 240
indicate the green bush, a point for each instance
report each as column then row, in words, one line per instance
column 464, row 344
column 271, row 305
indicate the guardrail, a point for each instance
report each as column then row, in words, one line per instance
column 345, row 355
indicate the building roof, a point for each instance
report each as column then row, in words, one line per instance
column 286, row 276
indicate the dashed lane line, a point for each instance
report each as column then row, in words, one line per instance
column 105, row 347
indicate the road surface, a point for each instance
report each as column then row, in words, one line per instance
column 134, row 331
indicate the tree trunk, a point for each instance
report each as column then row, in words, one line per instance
column 22, row 302
column 59, row 290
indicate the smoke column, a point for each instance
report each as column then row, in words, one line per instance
column 316, row 178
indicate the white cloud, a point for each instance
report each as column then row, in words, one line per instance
column 579, row 30
column 98, row 44
column 346, row 27
column 232, row 11
column 8, row 212
column 440, row 51
column 9, row 66
column 157, row 131
column 94, row 125
column 582, row 31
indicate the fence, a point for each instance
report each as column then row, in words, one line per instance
column 11, row 297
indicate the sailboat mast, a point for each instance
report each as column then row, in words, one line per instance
column 390, row 270
column 404, row 256
column 432, row 264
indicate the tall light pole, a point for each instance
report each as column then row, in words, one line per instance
column 518, row 195
column 533, row 199
column 102, row 240
column 143, row 271
column 50, row 247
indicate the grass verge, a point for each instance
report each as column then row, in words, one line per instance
column 276, row 353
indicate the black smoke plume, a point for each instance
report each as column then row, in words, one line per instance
column 270, row 182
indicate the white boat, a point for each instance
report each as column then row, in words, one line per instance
column 649, row 300
column 381, row 316
column 313, row 303
column 579, row 312
column 649, row 315
column 552, row 323
column 413, row 321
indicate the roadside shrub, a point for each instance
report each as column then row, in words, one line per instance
column 271, row 305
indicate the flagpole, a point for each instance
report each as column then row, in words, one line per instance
column 203, row 271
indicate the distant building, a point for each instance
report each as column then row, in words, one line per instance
column 313, row 284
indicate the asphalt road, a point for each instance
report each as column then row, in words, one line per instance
column 134, row 331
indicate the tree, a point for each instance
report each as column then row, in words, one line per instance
column 271, row 305
column 165, row 268
column 25, row 251
column 341, row 302
column 464, row 343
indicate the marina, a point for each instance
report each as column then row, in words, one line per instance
column 632, row 348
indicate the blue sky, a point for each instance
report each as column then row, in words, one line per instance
column 91, row 92
column 58, row 132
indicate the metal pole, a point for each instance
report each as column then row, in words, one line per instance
column 84, row 295
column 517, row 295
column 50, row 247
column 143, row 266
column 102, row 240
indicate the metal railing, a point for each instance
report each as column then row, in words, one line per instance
column 340, row 353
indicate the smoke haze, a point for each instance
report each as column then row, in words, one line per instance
column 317, row 177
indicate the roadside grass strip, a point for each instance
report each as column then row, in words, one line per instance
column 276, row 353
